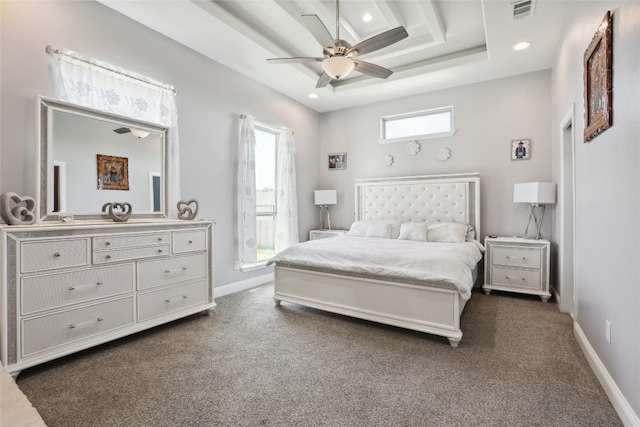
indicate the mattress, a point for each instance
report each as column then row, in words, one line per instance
column 442, row 265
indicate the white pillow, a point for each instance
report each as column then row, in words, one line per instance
column 380, row 230
column 447, row 232
column 360, row 228
column 413, row 231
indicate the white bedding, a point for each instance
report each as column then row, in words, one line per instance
column 449, row 263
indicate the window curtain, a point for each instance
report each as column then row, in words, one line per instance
column 102, row 86
column 247, row 250
column 286, row 198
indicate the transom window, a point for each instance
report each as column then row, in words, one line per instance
column 426, row 124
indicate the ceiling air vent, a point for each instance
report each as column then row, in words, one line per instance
column 522, row 8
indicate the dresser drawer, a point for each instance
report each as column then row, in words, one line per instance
column 40, row 293
column 173, row 270
column 516, row 278
column 47, row 255
column 131, row 240
column 101, row 257
column 46, row 332
column 189, row 241
column 516, row 257
column 167, row 300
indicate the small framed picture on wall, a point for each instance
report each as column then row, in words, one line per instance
column 521, row 149
column 337, row 161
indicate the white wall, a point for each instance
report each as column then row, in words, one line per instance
column 488, row 116
column 607, row 192
column 210, row 99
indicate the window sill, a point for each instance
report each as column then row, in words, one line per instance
column 253, row 267
column 417, row 137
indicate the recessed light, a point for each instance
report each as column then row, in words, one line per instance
column 313, row 95
column 367, row 17
column 521, row 46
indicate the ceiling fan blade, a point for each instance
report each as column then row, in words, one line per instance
column 294, row 59
column 122, row 130
column 372, row 69
column 378, row 42
column 323, row 80
column 318, row 31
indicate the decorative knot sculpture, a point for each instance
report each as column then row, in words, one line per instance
column 185, row 210
column 124, row 209
column 17, row 210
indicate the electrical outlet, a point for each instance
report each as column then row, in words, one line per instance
column 607, row 331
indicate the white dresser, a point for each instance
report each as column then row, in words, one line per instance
column 70, row 287
column 517, row 265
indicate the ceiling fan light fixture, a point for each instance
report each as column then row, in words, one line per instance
column 138, row 133
column 338, row 67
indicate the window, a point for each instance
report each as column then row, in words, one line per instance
column 418, row 125
column 266, row 207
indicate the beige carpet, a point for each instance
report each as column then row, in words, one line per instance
column 254, row 364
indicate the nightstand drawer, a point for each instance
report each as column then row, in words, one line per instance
column 516, row 257
column 515, row 278
column 325, row 234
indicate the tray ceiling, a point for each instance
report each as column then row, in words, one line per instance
column 450, row 43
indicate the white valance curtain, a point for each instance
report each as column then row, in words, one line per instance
column 246, row 192
column 102, row 86
column 286, row 198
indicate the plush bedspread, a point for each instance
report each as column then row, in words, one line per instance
column 391, row 259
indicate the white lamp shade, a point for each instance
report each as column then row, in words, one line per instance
column 338, row 66
column 325, row 197
column 536, row 193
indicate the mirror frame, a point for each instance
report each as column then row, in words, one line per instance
column 43, row 155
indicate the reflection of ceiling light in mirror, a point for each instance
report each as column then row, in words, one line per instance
column 313, row 95
column 139, row 133
column 367, row 17
column 521, row 46
column 338, row 66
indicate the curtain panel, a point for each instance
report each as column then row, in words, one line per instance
column 246, row 193
column 286, row 197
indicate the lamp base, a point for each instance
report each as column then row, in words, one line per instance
column 325, row 209
column 536, row 220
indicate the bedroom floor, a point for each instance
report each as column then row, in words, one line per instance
column 252, row 363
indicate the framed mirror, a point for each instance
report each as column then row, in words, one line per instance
column 88, row 158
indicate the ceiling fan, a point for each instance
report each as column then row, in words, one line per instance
column 338, row 58
column 138, row 133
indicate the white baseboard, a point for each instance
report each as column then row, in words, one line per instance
column 242, row 285
column 619, row 402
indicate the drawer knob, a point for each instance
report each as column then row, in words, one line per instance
column 177, row 299
column 160, row 239
column 190, row 241
column 57, row 254
column 99, row 283
column 160, row 250
column 107, row 243
column 108, row 257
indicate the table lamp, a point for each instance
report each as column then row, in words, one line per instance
column 324, row 198
column 538, row 194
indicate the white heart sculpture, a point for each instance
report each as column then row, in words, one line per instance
column 185, row 211
column 16, row 210
column 122, row 216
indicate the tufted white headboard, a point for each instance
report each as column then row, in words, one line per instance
column 452, row 198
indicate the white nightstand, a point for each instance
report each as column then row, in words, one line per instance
column 517, row 265
column 324, row 234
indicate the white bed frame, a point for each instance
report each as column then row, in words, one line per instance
column 421, row 308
